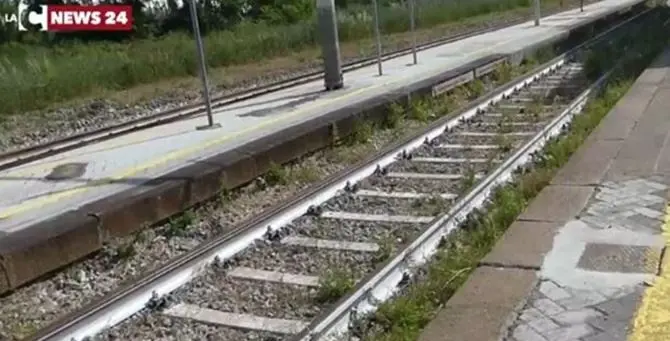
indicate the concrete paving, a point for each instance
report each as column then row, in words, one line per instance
column 585, row 261
column 115, row 165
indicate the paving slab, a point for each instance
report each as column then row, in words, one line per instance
column 479, row 310
column 663, row 161
column 640, row 153
column 557, row 203
column 661, row 106
column 555, row 313
column 514, row 250
column 589, row 163
column 621, row 120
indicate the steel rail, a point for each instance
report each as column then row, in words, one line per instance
column 14, row 158
column 150, row 288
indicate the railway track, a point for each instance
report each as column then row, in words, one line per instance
column 275, row 289
column 280, row 275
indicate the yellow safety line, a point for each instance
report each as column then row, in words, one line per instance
column 128, row 172
column 652, row 321
column 42, row 166
column 177, row 154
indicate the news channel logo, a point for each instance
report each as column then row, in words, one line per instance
column 35, row 16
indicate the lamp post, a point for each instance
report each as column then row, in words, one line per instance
column 203, row 67
column 412, row 15
column 330, row 45
column 378, row 37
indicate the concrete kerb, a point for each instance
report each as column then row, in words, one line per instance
column 31, row 254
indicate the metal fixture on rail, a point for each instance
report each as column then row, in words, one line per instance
column 412, row 15
column 537, row 12
column 330, row 45
column 203, row 67
column 378, row 38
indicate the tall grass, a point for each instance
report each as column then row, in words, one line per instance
column 33, row 76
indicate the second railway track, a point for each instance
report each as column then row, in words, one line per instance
column 307, row 253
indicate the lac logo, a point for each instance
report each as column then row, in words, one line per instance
column 72, row 18
column 33, row 18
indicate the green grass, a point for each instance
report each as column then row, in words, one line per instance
column 34, row 77
column 276, row 175
column 179, row 226
column 404, row 317
column 333, row 284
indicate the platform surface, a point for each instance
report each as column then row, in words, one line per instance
column 122, row 163
column 586, row 261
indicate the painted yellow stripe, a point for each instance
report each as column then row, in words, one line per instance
column 652, row 321
column 177, row 154
column 41, row 201
column 40, row 168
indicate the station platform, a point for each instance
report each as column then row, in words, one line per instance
column 597, row 268
column 73, row 211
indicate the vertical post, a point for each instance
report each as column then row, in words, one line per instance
column 412, row 27
column 581, row 5
column 378, row 37
column 203, row 68
column 537, row 12
column 330, row 45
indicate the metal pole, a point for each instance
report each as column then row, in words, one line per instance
column 330, row 45
column 378, row 37
column 537, row 12
column 581, row 5
column 203, row 68
column 412, row 15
